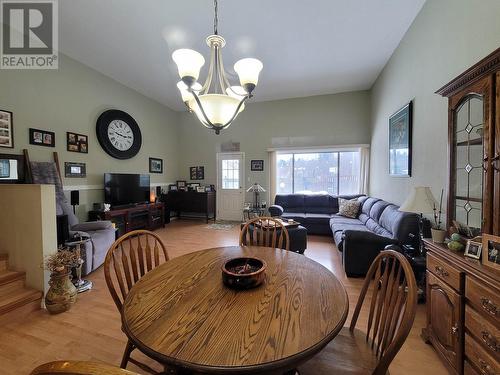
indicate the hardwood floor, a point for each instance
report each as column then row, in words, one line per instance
column 91, row 329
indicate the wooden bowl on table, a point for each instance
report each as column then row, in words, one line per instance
column 243, row 273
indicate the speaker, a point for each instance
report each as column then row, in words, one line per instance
column 75, row 197
column 62, row 229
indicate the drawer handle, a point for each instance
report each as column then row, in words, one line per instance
column 485, row 367
column 454, row 330
column 489, row 340
column 489, row 306
column 441, row 271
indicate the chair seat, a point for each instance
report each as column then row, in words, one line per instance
column 347, row 354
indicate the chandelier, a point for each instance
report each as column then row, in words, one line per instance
column 216, row 103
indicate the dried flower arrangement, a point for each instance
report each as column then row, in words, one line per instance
column 62, row 260
column 438, row 212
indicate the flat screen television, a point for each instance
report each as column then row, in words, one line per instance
column 121, row 189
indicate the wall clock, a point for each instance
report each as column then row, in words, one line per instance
column 118, row 134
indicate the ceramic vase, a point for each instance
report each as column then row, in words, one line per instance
column 438, row 235
column 61, row 294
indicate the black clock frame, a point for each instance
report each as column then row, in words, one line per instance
column 102, row 133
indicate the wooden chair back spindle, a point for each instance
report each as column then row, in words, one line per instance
column 128, row 259
column 79, row 368
column 393, row 305
column 265, row 231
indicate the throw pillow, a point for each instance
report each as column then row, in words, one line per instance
column 349, row 208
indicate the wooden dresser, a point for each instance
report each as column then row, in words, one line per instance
column 463, row 311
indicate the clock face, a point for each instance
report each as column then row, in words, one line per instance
column 118, row 134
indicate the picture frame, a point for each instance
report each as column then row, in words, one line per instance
column 172, row 187
column 200, row 189
column 72, row 169
column 400, row 141
column 6, row 129
column 77, row 142
column 197, row 173
column 155, row 165
column 491, row 251
column 40, row 137
column 181, row 185
column 257, row 165
column 473, row 249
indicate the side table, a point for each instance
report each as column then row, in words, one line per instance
column 80, row 284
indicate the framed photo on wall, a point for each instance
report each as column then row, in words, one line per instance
column 155, row 165
column 75, row 170
column 42, row 138
column 6, row 129
column 257, row 165
column 400, row 137
column 197, row 173
column 77, row 142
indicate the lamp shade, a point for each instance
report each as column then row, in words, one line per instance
column 218, row 108
column 256, row 188
column 248, row 71
column 189, row 62
column 420, row 201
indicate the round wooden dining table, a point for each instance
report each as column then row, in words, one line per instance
column 182, row 315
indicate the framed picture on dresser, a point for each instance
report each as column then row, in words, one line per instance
column 491, row 251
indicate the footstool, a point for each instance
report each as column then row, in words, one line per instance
column 297, row 236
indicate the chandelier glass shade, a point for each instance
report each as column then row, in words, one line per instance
column 216, row 103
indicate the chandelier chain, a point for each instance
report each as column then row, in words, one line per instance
column 216, row 18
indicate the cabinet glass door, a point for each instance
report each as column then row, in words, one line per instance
column 468, row 164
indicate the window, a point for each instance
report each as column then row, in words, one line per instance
column 231, row 174
column 335, row 172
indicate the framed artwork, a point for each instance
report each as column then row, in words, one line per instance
column 75, row 169
column 42, row 137
column 77, row 142
column 181, row 185
column 473, row 249
column 6, row 129
column 155, row 165
column 257, row 165
column 172, row 187
column 197, row 173
column 491, row 251
column 400, row 134
column 200, row 189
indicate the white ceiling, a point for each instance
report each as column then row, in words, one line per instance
column 308, row 47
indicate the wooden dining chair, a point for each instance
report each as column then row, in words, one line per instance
column 391, row 284
column 265, row 231
column 79, row 368
column 128, row 259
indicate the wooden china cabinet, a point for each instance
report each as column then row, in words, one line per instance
column 463, row 295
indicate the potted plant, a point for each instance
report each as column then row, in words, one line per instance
column 438, row 234
column 62, row 293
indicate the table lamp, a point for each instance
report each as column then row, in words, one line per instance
column 421, row 201
column 256, row 189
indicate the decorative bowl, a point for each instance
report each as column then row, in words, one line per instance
column 243, row 273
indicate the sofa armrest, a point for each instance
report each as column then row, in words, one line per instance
column 360, row 249
column 276, row 210
column 92, row 226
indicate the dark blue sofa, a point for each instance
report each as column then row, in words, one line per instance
column 379, row 224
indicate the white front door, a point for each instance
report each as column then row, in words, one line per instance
column 230, row 185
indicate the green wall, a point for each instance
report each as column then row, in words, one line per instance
column 71, row 99
column 338, row 119
column 446, row 38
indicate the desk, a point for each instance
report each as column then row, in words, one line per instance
column 182, row 315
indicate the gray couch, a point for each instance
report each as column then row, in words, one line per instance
column 378, row 224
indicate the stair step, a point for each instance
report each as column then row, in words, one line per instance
column 17, row 284
column 4, row 262
column 10, row 276
column 18, row 298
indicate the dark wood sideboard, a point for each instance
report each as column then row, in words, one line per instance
column 191, row 204
column 463, row 311
column 143, row 216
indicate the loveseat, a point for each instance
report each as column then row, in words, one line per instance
column 378, row 224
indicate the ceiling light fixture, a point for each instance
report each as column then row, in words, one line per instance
column 217, row 102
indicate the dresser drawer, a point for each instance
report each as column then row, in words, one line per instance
column 478, row 356
column 445, row 272
column 484, row 299
column 483, row 331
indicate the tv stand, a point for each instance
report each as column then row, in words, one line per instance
column 139, row 216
